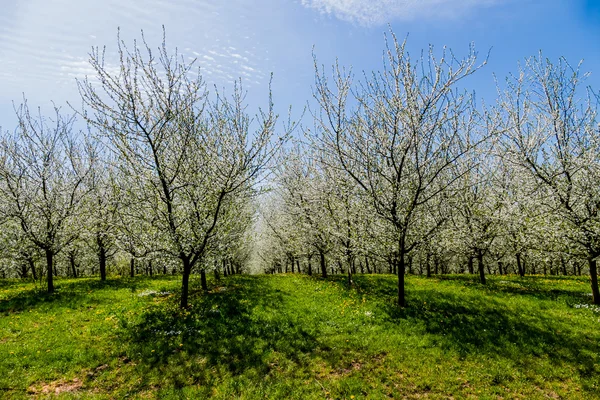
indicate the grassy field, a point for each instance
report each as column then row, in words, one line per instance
column 295, row 337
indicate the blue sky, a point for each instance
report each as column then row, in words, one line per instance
column 44, row 43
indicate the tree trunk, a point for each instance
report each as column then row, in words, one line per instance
column 185, row 281
column 367, row 264
column 323, row 265
column 132, row 267
column 350, row 271
column 102, row 262
column 72, row 263
column 500, row 268
column 400, row 268
column 49, row 265
column 470, row 265
column 309, row 266
column 23, row 272
column 520, row 266
column 594, row 280
column 298, row 265
column 32, row 267
column 480, row 266
column 427, row 266
column 225, row 268
column 203, row 280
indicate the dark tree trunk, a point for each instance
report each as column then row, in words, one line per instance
column 298, row 265
column 470, row 265
column 203, row 280
column 225, row 268
column 480, row 266
column 23, row 273
column 323, row 264
column 436, row 262
column 309, row 266
column 500, row 268
column 520, row 265
column 185, row 281
column 132, row 267
column 400, row 268
column 367, row 264
column 73, row 266
column 428, row 266
column 350, row 271
column 594, row 280
column 32, row 267
column 563, row 264
column 293, row 265
column 102, row 262
column 49, row 268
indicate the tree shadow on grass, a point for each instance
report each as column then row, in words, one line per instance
column 241, row 328
column 476, row 322
column 68, row 293
column 532, row 286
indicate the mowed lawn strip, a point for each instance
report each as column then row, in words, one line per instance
column 297, row 337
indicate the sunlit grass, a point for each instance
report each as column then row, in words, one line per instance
column 298, row 337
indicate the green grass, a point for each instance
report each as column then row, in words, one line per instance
column 295, row 337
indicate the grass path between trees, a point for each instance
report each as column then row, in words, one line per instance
column 296, row 337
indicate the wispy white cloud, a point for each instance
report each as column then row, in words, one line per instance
column 378, row 12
